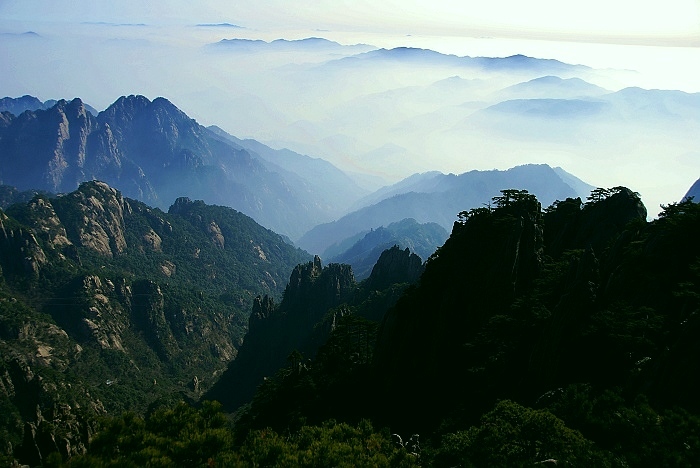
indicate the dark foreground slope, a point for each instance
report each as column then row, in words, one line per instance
column 107, row 305
column 565, row 334
column 557, row 337
column 315, row 301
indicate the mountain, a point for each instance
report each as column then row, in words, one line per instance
column 315, row 176
column 362, row 255
column 309, row 44
column 438, row 198
column 18, row 105
column 528, row 328
column 10, row 195
column 401, row 111
column 487, row 274
column 419, row 182
column 108, row 305
column 552, row 87
column 315, row 302
column 531, row 335
column 430, row 57
column 694, row 192
column 153, row 152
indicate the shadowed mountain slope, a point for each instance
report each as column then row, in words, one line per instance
column 155, row 153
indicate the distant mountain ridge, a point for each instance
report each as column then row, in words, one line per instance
column 18, row 105
column 336, row 187
column 316, row 44
column 155, row 153
column 420, row 239
column 438, row 198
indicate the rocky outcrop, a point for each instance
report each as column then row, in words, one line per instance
column 395, row 266
column 120, row 305
column 41, row 216
column 313, row 289
column 153, row 241
column 148, row 314
column 57, row 416
column 20, row 251
column 94, row 218
column 263, row 308
column 274, row 333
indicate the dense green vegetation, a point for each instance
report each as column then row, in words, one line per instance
column 107, row 305
column 561, row 336
column 184, row 436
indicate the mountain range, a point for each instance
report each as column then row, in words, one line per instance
column 437, row 198
column 108, row 304
column 18, row 105
column 531, row 333
column 354, row 256
column 396, row 112
column 153, row 152
column 363, row 250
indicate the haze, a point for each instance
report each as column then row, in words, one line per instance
column 385, row 115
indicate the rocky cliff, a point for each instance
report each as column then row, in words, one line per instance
column 275, row 332
column 315, row 301
column 151, row 151
column 109, row 305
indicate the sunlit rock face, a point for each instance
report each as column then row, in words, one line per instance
column 694, row 192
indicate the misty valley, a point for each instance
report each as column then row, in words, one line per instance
column 312, row 280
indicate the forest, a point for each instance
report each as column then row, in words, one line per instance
column 557, row 336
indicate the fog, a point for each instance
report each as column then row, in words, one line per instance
column 388, row 113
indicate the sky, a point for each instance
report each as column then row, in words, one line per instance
column 671, row 23
column 597, row 33
column 99, row 49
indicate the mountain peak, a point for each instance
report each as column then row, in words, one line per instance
column 694, row 192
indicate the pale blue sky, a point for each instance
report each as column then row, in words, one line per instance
column 672, row 22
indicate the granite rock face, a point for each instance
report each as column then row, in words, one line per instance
column 275, row 332
column 109, row 305
column 395, row 266
column 153, row 152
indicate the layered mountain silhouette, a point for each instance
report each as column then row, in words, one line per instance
column 437, row 198
column 309, row 44
column 18, row 105
column 362, row 251
column 531, row 333
column 153, row 152
column 308, row 313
